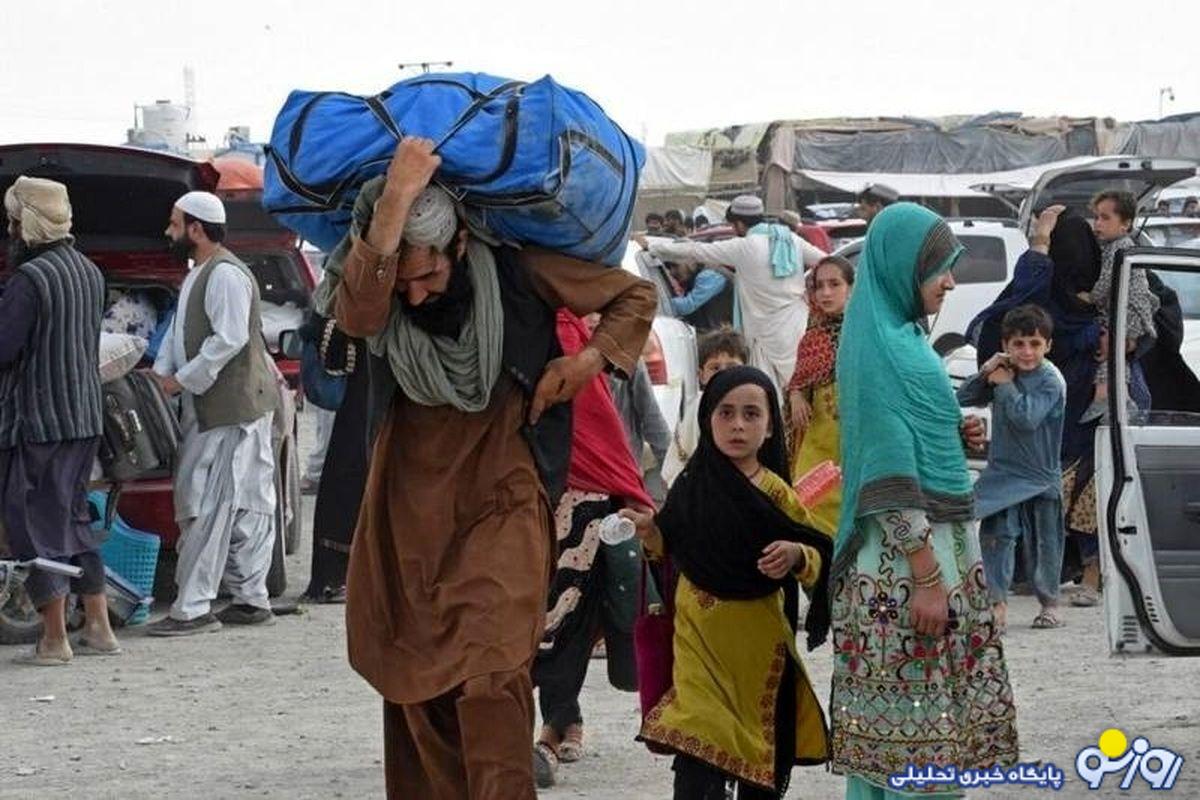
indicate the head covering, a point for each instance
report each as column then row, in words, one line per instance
column 1076, row 256
column 880, row 192
column 716, row 522
column 746, row 205
column 42, row 207
column 816, row 356
column 900, row 420
column 600, row 457
column 432, row 220
column 204, row 206
column 1052, row 283
column 790, row 218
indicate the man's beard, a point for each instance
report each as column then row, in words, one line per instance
column 180, row 249
column 446, row 314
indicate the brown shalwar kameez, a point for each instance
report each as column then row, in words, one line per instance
column 452, row 555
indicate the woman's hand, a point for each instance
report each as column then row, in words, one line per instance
column 780, row 558
column 801, row 412
column 974, row 433
column 930, row 610
column 1046, row 222
column 643, row 520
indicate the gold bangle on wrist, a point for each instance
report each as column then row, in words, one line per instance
column 930, row 580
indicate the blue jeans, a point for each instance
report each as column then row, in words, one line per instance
column 1038, row 524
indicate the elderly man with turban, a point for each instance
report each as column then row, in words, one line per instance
column 50, row 413
column 451, row 559
column 213, row 353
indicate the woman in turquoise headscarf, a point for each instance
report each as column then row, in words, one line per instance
column 919, row 674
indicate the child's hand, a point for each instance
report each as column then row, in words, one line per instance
column 1000, row 375
column 642, row 518
column 1085, row 297
column 998, row 360
column 780, row 558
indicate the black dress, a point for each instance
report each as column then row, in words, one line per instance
column 343, row 478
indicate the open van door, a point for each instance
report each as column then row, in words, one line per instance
column 1075, row 185
column 1148, row 494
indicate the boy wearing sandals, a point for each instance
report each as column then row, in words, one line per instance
column 1019, row 495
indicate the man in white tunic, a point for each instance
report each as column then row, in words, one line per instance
column 769, row 262
column 224, row 487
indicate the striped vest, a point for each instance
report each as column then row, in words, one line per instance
column 52, row 394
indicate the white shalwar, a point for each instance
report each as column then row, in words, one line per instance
column 774, row 311
column 225, row 476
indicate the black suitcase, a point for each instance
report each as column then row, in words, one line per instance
column 141, row 429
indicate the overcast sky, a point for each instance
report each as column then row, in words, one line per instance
column 72, row 71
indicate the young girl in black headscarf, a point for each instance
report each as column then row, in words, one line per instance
column 741, row 707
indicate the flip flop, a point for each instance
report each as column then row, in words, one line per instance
column 1086, row 597
column 570, row 749
column 1048, row 619
column 83, row 648
column 32, row 658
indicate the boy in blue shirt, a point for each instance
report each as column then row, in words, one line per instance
column 1019, row 494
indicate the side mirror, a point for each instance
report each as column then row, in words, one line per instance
column 290, row 344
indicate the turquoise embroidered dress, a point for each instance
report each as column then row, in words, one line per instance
column 899, row 697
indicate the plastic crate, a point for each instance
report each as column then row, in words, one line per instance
column 130, row 553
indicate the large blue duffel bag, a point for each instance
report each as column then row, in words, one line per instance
column 533, row 163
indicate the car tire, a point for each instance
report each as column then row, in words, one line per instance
column 19, row 621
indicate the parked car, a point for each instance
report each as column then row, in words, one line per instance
column 121, row 199
column 1170, row 231
column 1148, row 494
column 670, row 351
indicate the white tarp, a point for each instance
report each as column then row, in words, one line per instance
column 933, row 185
column 676, row 169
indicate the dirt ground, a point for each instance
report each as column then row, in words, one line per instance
column 278, row 713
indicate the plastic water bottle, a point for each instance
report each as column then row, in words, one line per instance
column 818, row 482
column 615, row 529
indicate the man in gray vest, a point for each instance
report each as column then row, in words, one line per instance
column 50, row 414
column 224, row 478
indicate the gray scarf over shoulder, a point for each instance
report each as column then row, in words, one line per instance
column 431, row 370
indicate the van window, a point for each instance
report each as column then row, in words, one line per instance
column 984, row 262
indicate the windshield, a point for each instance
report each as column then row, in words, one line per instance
column 1187, row 286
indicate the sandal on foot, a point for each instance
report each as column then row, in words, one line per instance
column 545, row 765
column 570, row 749
column 83, row 647
column 1086, row 597
column 35, row 658
column 1048, row 619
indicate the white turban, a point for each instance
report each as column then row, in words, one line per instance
column 432, row 220
column 42, row 208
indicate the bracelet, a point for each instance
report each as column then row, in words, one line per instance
column 930, row 580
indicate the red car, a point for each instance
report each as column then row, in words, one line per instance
column 121, row 199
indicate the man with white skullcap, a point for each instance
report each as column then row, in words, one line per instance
column 213, row 353
column 50, row 413
column 769, row 262
column 449, row 569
